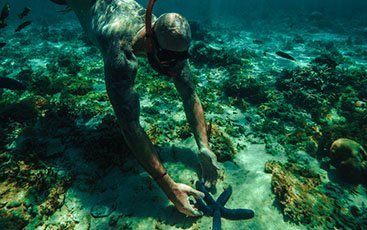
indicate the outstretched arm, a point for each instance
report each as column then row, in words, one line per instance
column 120, row 71
column 195, row 116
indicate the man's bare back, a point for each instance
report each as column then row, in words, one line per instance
column 107, row 19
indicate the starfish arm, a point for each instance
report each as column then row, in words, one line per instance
column 217, row 222
column 208, row 198
column 237, row 214
column 206, row 209
column 224, row 196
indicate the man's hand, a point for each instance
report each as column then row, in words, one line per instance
column 179, row 195
column 210, row 171
column 180, row 199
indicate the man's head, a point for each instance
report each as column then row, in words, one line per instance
column 168, row 41
column 172, row 32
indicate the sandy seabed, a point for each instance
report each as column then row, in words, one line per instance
column 123, row 196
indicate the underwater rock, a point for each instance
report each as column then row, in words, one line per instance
column 299, row 194
column 103, row 208
column 350, row 160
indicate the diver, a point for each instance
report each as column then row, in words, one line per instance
column 122, row 30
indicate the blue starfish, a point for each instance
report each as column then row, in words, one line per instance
column 216, row 208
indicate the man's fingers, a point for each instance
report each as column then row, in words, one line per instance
column 190, row 211
column 195, row 193
column 192, row 192
column 208, row 184
column 197, row 212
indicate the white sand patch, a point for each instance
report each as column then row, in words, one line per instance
column 140, row 204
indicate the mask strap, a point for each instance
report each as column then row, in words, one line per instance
column 150, row 43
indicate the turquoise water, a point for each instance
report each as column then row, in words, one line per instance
column 284, row 88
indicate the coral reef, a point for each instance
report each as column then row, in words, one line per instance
column 304, row 198
column 350, row 160
column 252, row 89
column 298, row 192
column 29, row 191
column 249, row 96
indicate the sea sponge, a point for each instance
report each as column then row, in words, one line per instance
column 350, row 160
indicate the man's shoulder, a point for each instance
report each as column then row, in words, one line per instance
column 124, row 17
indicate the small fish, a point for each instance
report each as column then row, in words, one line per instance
column 23, row 25
column 60, row 2
column 285, row 55
column 66, row 10
column 5, row 12
column 25, row 12
column 9, row 83
column 258, row 42
column 2, row 44
column 3, row 24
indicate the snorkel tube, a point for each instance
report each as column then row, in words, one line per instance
column 153, row 60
